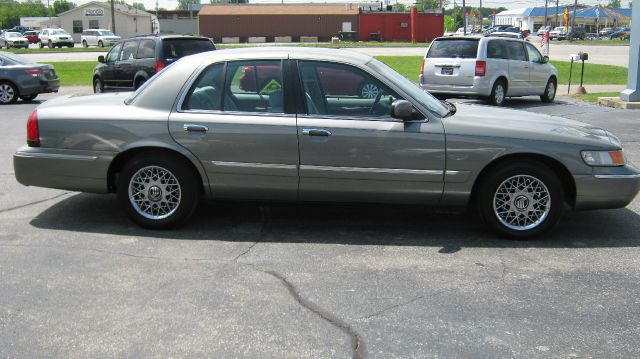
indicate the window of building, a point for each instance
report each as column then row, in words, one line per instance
column 342, row 90
column 77, row 26
column 93, row 24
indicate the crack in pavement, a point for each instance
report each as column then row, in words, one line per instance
column 265, row 212
column 33, row 203
column 357, row 343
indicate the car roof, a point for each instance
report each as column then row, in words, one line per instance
column 275, row 52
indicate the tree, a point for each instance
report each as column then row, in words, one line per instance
column 60, row 6
column 186, row 4
column 138, row 5
column 431, row 4
column 11, row 11
column 614, row 4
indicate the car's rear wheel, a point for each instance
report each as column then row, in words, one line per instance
column 50, row 44
column 521, row 199
column 498, row 93
column 40, row 44
column 549, row 91
column 28, row 98
column 158, row 191
column 100, row 44
column 8, row 93
column 84, row 43
column 98, row 86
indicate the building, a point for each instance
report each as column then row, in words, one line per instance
column 321, row 21
column 178, row 21
column 97, row 15
column 38, row 23
column 400, row 26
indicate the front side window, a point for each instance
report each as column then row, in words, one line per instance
column 534, row 54
column 341, row 90
column 113, row 55
column 129, row 50
column 515, row 50
column 206, row 93
column 77, row 27
column 254, row 86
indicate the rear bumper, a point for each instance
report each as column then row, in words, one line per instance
column 62, row 169
column 481, row 87
column 614, row 188
column 38, row 86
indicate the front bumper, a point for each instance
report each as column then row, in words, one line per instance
column 613, row 187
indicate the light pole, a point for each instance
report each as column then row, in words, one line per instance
column 632, row 93
column 113, row 18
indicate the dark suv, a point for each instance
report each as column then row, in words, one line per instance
column 133, row 61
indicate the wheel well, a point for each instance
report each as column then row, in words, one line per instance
column 554, row 78
column 568, row 184
column 504, row 80
column 122, row 158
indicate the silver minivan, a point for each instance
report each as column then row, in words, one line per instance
column 98, row 37
column 492, row 68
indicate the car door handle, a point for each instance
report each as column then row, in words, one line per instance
column 315, row 132
column 195, row 128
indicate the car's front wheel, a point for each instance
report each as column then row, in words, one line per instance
column 84, row 43
column 100, row 44
column 498, row 93
column 549, row 91
column 158, row 191
column 50, row 44
column 98, row 86
column 521, row 199
column 8, row 93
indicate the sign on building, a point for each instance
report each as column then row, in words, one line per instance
column 94, row 11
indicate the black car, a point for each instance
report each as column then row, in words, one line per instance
column 133, row 61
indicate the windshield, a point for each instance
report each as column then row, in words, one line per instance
column 433, row 104
column 105, row 33
column 15, row 59
column 58, row 32
column 452, row 48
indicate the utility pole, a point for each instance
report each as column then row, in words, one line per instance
column 573, row 21
column 545, row 14
column 556, row 22
column 464, row 18
column 113, row 18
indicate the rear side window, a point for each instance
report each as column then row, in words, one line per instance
column 496, row 50
column 206, row 93
column 147, row 49
column 462, row 48
column 176, row 48
column 129, row 50
column 515, row 50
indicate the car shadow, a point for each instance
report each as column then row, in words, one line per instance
column 522, row 103
column 371, row 224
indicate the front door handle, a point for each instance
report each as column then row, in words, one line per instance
column 195, row 128
column 315, row 132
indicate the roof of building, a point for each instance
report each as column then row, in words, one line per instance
column 551, row 10
column 513, row 12
column 268, row 9
column 599, row 12
column 121, row 8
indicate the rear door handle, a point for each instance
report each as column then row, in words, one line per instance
column 195, row 128
column 315, row 132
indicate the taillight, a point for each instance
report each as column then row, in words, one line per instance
column 481, row 68
column 34, row 73
column 33, row 136
column 160, row 65
column 422, row 68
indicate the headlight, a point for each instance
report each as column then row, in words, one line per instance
column 603, row 158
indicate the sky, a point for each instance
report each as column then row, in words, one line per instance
column 509, row 4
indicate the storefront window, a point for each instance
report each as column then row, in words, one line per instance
column 93, row 24
column 77, row 26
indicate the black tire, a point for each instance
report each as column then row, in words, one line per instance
column 98, row 86
column 498, row 93
column 8, row 93
column 518, row 215
column 84, row 43
column 69, row 46
column 158, row 204
column 549, row 91
column 40, row 44
column 50, row 44
column 28, row 98
column 139, row 82
column 100, row 44
column 368, row 90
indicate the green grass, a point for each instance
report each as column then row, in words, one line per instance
column 74, row 73
column 593, row 97
column 593, row 42
column 342, row 45
column 55, row 49
column 79, row 73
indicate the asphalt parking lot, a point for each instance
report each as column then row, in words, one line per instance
column 255, row 280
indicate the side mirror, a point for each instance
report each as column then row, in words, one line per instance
column 545, row 59
column 401, row 109
column 101, row 59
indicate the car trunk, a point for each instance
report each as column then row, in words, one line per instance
column 451, row 62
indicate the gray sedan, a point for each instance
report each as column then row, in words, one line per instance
column 22, row 78
column 211, row 125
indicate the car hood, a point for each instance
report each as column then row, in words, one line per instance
column 480, row 120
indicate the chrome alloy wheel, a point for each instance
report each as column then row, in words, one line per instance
column 369, row 91
column 551, row 90
column 499, row 95
column 522, row 202
column 154, row 192
column 6, row 93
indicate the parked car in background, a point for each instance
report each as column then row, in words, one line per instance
column 32, row 36
column 492, row 68
column 577, row 33
column 20, row 29
column 13, row 39
column 606, row 31
column 621, row 34
column 542, row 30
column 55, row 38
column 190, row 132
column 557, row 32
column 510, row 35
column 98, row 37
column 24, row 79
column 133, row 61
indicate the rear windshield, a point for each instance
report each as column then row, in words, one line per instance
column 176, row 48
column 13, row 59
column 462, row 48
